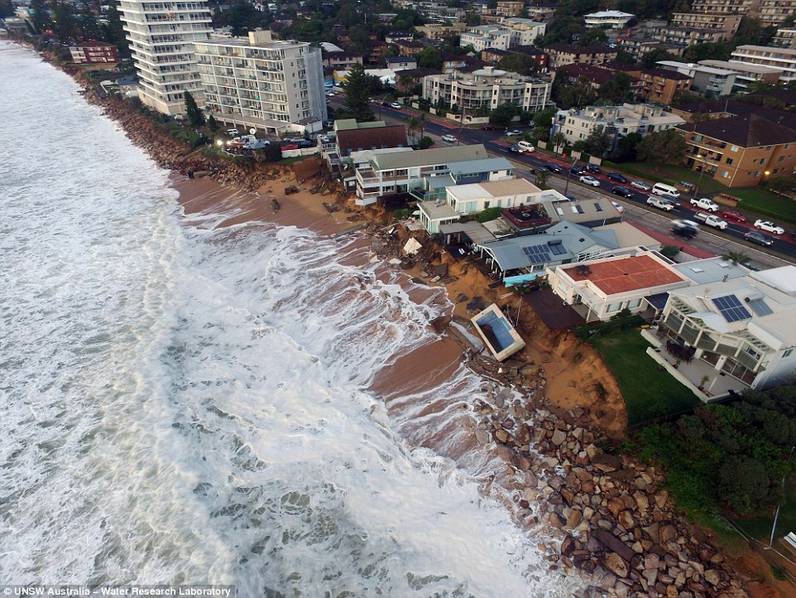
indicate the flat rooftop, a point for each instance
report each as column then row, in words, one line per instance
column 625, row 274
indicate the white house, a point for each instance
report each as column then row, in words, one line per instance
column 599, row 289
column 613, row 19
column 730, row 335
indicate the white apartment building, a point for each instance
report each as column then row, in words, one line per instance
column 267, row 84
column 705, row 79
column 162, row 36
column 486, row 36
column 745, row 74
column 487, row 88
column 783, row 59
column 785, row 37
column 524, row 32
column 406, row 171
column 618, row 121
column 730, row 335
column 609, row 19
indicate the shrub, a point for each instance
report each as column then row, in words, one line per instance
column 488, row 214
column 426, row 142
column 670, row 251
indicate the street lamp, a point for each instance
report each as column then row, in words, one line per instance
column 701, row 172
column 569, row 172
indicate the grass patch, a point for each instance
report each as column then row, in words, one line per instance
column 754, row 199
column 760, row 526
column 648, row 390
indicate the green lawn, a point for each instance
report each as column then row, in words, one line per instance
column 649, row 391
column 760, row 527
column 753, row 199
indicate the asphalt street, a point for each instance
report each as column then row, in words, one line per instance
column 636, row 210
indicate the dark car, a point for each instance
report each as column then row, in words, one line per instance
column 685, row 228
column 621, row 191
column 576, row 170
column 515, row 148
column 759, row 238
column 593, row 168
column 615, row 176
column 491, row 128
column 554, row 168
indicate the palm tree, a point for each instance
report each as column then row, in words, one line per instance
column 558, row 140
column 412, row 125
column 541, row 178
column 738, row 258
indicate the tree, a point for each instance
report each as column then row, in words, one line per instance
column 503, row 114
column 357, row 88
column 518, row 63
column 541, row 178
column 41, row 15
column 241, row 17
column 212, row 123
column 559, row 141
column 666, row 147
column 64, row 22
column 6, row 8
column 597, row 143
column 426, row 142
column 577, row 95
column 649, row 59
column 750, row 31
column 670, row 251
column 194, row 113
column 618, row 89
column 736, row 257
column 744, row 483
column 625, row 150
column 707, row 51
column 114, row 31
column 429, row 58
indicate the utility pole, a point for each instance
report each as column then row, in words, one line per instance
column 569, row 172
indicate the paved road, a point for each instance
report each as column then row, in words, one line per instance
column 783, row 251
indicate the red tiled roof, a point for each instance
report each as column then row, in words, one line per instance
column 625, row 274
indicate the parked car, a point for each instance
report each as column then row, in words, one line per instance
column 769, row 227
column 490, row 128
column 733, row 216
column 711, row 220
column 233, row 132
column 526, row 146
column 593, row 168
column 330, row 94
column 576, row 170
column 553, row 167
column 396, row 106
column 641, row 185
column 685, row 228
column 515, row 149
column 703, row 203
column 615, row 176
column 449, row 139
column 759, row 238
column 513, row 133
column 621, row 191
column 660, row 203
column 619, row 207
column 589, row 180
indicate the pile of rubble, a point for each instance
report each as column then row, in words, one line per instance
column 612, row 520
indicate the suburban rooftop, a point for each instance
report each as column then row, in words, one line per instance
column 434, row 155
column 625, row 274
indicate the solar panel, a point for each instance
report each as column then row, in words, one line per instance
column 760, row 307
column 731, row 308
column 556, row 247
column 538, row 254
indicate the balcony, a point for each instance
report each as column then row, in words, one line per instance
column 698, row 374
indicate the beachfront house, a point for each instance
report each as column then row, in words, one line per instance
column 427, row 172
column 599, row 289
column 524, row 258
column 729, row 335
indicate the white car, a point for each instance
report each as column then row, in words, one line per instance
column 711, row 220
column 396, row 106
column 449, row 139
column 640, row 185
column 525, row 146
column 619, row 207
column 589, row 180
column 233, row 132
column 769, row 227
column 513, row 133
column 330, row 94
column 660, row 203
column 703, row 203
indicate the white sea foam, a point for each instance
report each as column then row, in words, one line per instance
column 179, row 404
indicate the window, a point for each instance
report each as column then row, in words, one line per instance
column 787, row 352
column 729, row 161
column 613, row 307
column 734, row 148
column 598, row 207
